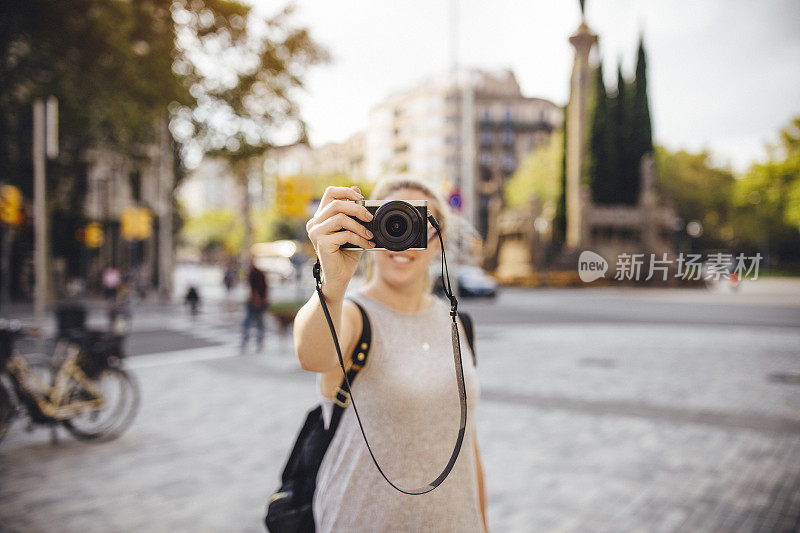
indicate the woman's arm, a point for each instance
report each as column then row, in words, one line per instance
column 481, row 485
column 312, row 336
column 330, row 227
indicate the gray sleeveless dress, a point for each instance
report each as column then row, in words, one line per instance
column 408, row 400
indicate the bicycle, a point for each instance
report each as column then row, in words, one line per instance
column 85, row 388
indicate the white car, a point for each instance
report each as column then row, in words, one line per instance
column 473, row 281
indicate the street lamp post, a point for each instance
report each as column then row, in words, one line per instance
column 45, row 145
column 165, row 182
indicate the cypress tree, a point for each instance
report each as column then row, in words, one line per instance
column 620, row 113
column 641, row 128
column 601, row 156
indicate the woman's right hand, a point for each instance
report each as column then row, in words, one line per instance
column 330, row 227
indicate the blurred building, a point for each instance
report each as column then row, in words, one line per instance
column 331, row 159
column 209, row 186
column 467, row 132
column 290, row 160
column 346, row 158
column 119, row 185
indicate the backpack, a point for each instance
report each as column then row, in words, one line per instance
column 289, row 509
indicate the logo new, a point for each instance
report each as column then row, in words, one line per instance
column 591, row 266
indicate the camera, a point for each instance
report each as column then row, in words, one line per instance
column 397, row 225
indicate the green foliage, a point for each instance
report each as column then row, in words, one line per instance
column 539, row 175
column 698, row 191
column 620, row 134
column 641, row 127
column 116, row 71
column 269, row 225
column 108, row 63
column 767, row 199
column 601, row 156
column 214, row 228
column 626, row 172
column 759, row 211
column 224, row 228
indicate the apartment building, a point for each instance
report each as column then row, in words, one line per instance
column 466, row 131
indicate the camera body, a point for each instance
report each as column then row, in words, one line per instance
column 397, row 225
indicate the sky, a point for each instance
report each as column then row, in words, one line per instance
column 723, row 75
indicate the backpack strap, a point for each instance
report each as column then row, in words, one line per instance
column 466, row 321
column 341, row 395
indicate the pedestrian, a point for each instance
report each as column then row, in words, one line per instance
column 255, row 306
column 229, row 278
column 193, row 300
column 406, row 391
column 193, row 277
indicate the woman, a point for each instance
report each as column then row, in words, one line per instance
column 406, row 392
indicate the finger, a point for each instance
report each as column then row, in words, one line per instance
column 336, row 223
column 342, row 221
column 348, row 208
column 340, row 193
column 334, row 240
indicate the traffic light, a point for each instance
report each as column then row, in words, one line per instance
column 137, row 223
column 10, row 204
column 93, row 235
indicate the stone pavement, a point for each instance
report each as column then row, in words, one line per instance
column 599, row 427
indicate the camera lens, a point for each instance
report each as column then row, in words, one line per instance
column 397, row 225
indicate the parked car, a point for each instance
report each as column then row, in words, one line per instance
column 472, row 282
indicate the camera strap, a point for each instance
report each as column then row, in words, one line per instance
column 462, row 392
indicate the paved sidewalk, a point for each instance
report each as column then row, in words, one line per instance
column 626, row 427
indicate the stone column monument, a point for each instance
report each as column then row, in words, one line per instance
column 577, row 127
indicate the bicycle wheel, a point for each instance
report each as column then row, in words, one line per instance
column 121, row 395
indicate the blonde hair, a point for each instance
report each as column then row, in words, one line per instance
column 436, row 204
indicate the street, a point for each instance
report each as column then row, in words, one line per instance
column 601, row 410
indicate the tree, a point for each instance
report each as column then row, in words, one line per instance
column 539, row 175
column 698, row 191
column 601, row 154
column 223, row 76
column 641, row 128
column 768, row 201
column 624, row 191
column 115, row 69
column 620, row 134
column 247, row 96
column 213, row 228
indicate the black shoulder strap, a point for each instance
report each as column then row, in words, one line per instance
column 341, row 396
column 466, row 321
